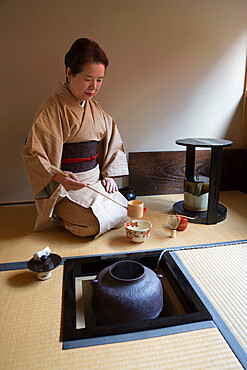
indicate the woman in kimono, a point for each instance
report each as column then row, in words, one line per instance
column 72, row 133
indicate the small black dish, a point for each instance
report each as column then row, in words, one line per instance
column 128, row 192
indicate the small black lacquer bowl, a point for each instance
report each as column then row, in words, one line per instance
column 128, row 192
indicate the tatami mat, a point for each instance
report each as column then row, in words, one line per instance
column 19, row 242
column 222, row 275
column 31, row 310
column 30, row 322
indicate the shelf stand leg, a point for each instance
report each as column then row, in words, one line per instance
column 214, row 185
column 190, row 163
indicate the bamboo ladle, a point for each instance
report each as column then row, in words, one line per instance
column 135, row 208
column 135, row 213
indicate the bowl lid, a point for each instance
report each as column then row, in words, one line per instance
column 50, row 263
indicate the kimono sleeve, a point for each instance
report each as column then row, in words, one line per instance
column 112, row 152
column 43, row 147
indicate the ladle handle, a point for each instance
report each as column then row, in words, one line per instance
column 89, row 187
column 113, row 200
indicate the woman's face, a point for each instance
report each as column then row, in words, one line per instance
column 86, row 84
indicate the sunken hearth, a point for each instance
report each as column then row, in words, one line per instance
column 80, row 326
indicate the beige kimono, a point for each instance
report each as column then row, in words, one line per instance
column 64, row 120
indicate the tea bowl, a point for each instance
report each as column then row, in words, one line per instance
column 138, row 230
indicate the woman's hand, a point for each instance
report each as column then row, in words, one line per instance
column 69, row 183
column 109, row 184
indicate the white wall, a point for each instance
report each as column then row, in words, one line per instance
column 176, row 70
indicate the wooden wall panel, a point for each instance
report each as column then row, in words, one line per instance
column 243, row 171
column 164, row 172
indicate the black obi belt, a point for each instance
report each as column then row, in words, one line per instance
column 79, row 157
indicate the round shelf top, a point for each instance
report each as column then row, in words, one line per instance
column 203, row 142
